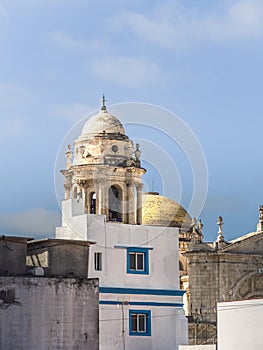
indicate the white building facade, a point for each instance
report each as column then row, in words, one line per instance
column 240, row 325
column 141, row 305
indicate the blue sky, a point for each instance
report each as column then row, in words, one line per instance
column 201, row 60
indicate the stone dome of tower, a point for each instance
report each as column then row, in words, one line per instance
column 102, row 122
column 162, row 211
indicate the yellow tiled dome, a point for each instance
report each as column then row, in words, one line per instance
column 162, row 211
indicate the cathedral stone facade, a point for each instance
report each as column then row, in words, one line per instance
column 218, row 271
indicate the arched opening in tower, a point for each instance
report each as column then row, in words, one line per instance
column 181, row 266
column 115, row 195
column 92, row 202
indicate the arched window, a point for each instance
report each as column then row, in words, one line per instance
column 93, row 203
column 115, row 204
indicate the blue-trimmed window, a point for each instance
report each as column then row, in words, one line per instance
column 138, row 260
column 140, row 322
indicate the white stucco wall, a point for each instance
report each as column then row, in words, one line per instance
column 240, row 325
column 165, row 323
column 112, row 238
column 163, row 255
column 169, row 324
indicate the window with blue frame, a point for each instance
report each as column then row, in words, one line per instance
column 140, row 322
column 138, row 260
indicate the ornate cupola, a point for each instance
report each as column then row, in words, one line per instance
column 104, row 169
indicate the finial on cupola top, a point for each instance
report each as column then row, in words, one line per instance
column 103, row 104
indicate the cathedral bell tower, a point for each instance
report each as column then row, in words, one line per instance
column 104, row 169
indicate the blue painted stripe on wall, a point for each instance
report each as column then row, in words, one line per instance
column 140, row 303
column 115, row 290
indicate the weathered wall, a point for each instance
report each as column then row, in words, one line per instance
column 219, row 277
column 201, row 333
column 49, row 313
column 13, row 255
column 59, row 257
column 250, row 245
column 198, row 347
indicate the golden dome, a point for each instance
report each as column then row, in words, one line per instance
column 162, row 211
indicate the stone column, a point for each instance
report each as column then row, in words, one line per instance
column 139, row 188
column 67, row 192
column 85, row 199
column 98, row 191
column 67, row 185
column 130, row 202
column 68, row 157
column 105, row 200
column 79, row 191
column 99, row 201
column 125, row 202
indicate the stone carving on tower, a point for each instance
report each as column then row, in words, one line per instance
column 200, row 230
column 106, row 170
column 220, row 240
column 69, row 157
column 260, row 221
column 196, row 232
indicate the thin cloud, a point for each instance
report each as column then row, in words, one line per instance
column 3, row 12
column 75, row 44
column 242, row 20
column 125, row 71
column 15, row 126
column 66, row 40
column 40, row 1
column 74, row 112
column 15, row 102
column 175, row 26
column 33, row 223
column 13, row 94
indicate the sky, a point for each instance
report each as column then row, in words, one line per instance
column 201, row 60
